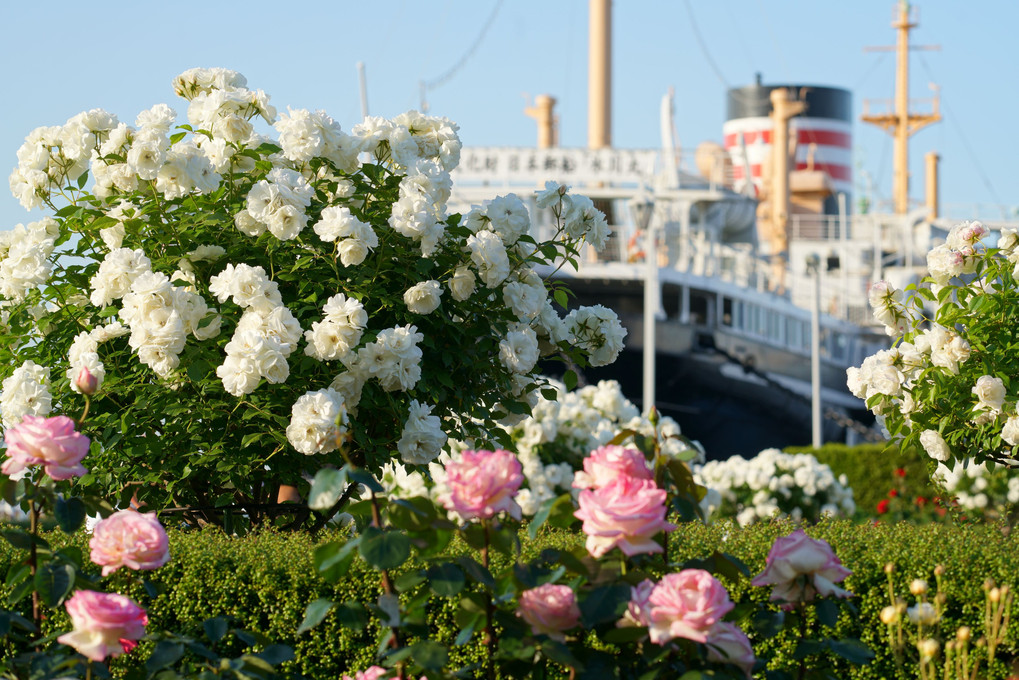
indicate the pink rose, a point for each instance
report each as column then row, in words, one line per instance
column 728, row 644
column 606, row 463
column 483, row 483
column 799, row 567
column 627, row 513
column 86, row 382
column 686, row 605
column 50, row 442
column 638, row 610
column 372, row 673
column 128, row 538
column 105, row 624
column 550, row 609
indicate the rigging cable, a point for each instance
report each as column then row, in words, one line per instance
column 965, row 141
column 448, row 75
column 703, row 46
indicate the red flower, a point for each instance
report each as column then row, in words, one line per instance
column 921, row 501
column 882, row 506
column 900, row 472
column 893, row 493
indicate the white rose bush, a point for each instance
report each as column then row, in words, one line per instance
column 773, row 484
column 253, row 308
column 948, row 383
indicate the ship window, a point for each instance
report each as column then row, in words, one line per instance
column 773, row 320
column 760, row 322
column 826, row 342
column 840, row 348
column 792, row 334
column 727, row 312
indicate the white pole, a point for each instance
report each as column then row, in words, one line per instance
column 363, row 82
column 844, row 255
column 650, row 311
column 815, row 360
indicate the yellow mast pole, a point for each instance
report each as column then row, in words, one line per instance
column 599, row 75
column 900, row 123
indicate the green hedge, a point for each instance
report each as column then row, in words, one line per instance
column 263, row 583
column 870, row 469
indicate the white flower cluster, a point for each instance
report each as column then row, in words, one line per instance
column 277, row 203
column 985, row 490
column 958, row 255
column 773, row 483
column 51, row 157
column 339, row 332
column 25, row 393
column 581, row 219
column 25, row 253
column 560, row 433
column 308, row 171
column 318, row 422
column 354, row 239
column 891, row 372
column 266, row 334
column 886, row 301
column 596, row 329
column 422, row 437
column 161, row 316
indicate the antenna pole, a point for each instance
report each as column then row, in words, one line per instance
column 363, row 82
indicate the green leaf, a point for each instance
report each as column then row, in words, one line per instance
column 166, row 653
column 70, row 514
column 556, row 511
column 430, row 655
column 333, row 560
column 363, row 477
column 314, row 614
column 827, row 612
column 560, row 297
column 276, row 654
column 852, row 651
column 570, row 380
column 409, row 580
column 215, row 628
column 384, row 549
column 604, row 604
column 326, row 488
column 54, row 582
column 352, row 615
column 22, row 539
column 446, row 580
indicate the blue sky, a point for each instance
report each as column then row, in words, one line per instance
column 63, row 57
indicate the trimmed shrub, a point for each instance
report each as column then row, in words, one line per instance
column 870, row 469
column 264, row 581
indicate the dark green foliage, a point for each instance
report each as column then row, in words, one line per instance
column 264, row 582
column 871, row 468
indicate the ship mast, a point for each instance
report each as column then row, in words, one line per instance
column 599, row 75
column 900, row 123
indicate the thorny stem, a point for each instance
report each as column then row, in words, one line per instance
column 489, row 610
column 387, row 586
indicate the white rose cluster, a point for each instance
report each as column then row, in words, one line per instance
column 958, row 255
column 318, row 422
column 161, row 316
column 25, row 393
column 191, row 229
column 983, row 490
column 553, row 441
column 25, row 253
column 773, row 483
column 886, row 301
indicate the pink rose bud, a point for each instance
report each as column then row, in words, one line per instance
column 128, row 538
column 550, row 609
column 606, row 463
column 728, row 644
column 372, row 673
column 50, row 442
column 105, row 624
column 639, row 609
column 482, row 484
column 686, row 605
column 627, row 513
column 799, row 555
column 86, row 383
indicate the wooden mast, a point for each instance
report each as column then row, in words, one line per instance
column 900, row 123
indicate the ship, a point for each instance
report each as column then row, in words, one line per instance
column 741, row 273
